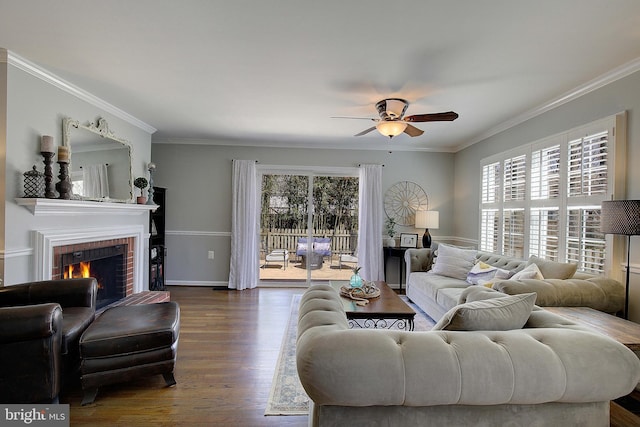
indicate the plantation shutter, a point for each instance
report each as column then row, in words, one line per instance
column 545, row 173
column 585, row 243
column 490, row 229
column 513, row 233
column 544, row 229
column 489, row 214
column 515, row 173
column 588, row 165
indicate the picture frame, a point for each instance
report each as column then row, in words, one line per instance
column 408, row 240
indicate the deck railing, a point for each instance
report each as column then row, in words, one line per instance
column 342, row 241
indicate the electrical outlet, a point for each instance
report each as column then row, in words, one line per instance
column 211, row 254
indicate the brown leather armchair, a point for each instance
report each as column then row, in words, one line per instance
column 30, row 350
column 21, row 304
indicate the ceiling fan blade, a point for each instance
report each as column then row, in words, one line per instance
column 356, row 118
column 433, row 117
column 366, row 131
column 413, row 131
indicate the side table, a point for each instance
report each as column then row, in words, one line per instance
column 395, row 253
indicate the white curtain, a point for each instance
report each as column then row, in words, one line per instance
column 370, row 219
column 245, row 250
column 95, row 180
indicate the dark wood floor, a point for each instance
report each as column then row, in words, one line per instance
column 229, row 345
column 227, row 353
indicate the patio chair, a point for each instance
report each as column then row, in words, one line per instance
column 348, row 258
column 322, row 246
column 302, row 247
column 277, row 255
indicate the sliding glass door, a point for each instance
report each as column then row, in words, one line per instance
column 309, row 227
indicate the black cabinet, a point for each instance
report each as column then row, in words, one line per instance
column 157, row 248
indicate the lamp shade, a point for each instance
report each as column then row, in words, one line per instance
column 391, row 128
column 620, row 217
column 427, row 219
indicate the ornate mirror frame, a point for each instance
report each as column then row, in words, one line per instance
column 101, row 128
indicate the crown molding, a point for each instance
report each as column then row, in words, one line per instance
column 597, row 83
column 54, row 80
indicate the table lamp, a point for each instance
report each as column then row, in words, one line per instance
column 427, row 220
column 621, row 217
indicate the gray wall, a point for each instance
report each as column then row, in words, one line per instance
column 198, row 182
column 613, row 98
column 35, row 108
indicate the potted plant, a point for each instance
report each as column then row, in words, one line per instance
column 141, row 183
column 390, row 228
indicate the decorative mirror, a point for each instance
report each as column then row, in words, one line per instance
column 100, row 162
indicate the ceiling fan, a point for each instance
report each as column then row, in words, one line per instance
column 392, row 121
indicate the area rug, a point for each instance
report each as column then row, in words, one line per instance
column 287, row 397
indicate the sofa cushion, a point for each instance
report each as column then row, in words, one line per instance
column 431, row 283
column 448, row 297
column 498, row 314
column 553, row 269
column 454, row 262
column 530, row 272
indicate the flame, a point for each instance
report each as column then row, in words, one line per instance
column 83, row 270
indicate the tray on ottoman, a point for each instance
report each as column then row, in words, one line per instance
column 128, row 342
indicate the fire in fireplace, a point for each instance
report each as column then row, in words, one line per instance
column 107, row 265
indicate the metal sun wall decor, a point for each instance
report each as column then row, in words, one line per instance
column 402, row 200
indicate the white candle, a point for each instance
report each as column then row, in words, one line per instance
column 63, row 154
column 46, row 144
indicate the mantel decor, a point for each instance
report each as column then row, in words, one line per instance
column 90, row 148
column 33, row 183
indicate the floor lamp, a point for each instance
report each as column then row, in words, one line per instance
column 427, row 220
column 621, row 217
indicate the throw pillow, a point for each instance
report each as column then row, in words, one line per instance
column 504, row 274
column 321, row 247
column 481, row 271
column 529, row 272
column 553, row 269
column 498, row 314
column 454, row 262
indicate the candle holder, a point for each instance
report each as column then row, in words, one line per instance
column 49, row 193
column 64, row 186
column 152, row 168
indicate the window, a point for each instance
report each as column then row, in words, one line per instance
column 544, row 198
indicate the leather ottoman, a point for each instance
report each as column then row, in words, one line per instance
column 128, row 342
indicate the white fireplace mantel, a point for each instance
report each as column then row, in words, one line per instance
column 40, row 206
column 46, row 240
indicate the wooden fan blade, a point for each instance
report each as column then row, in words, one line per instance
column 366, row 131
column 356, row 118
column 433, row 117
column 413, row 131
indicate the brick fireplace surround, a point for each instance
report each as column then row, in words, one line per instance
column 58, row 251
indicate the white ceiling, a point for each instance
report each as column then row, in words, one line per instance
column 274, row 72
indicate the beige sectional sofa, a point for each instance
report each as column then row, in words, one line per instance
column 435, row 293
column 551, row 372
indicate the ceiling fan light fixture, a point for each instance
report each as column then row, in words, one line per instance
column 391, row 128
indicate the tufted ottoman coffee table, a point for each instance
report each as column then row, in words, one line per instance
column 128, row 342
